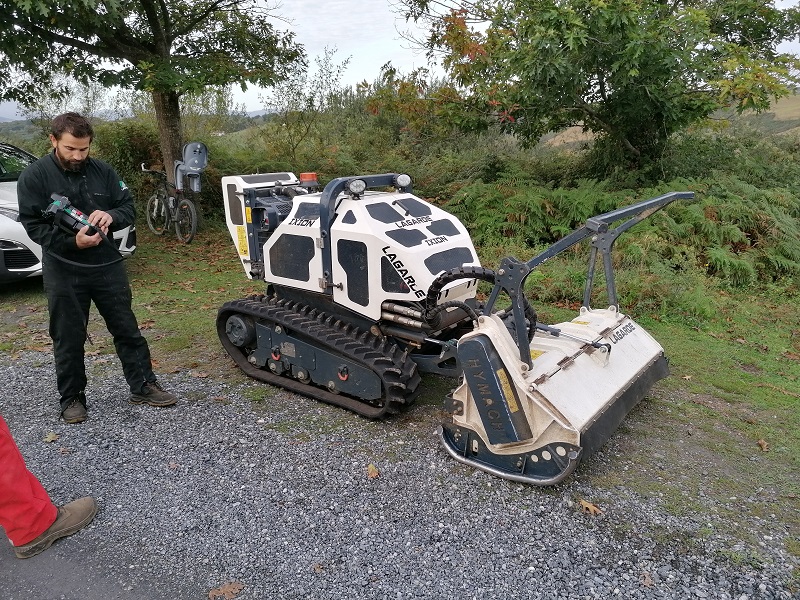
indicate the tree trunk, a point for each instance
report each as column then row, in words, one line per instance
column 168, row 117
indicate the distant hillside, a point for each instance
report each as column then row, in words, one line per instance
column 783, row 118
column 20, row 133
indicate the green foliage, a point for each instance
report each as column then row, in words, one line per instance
column 759, row 160
column 516, row 206
column 126, row 144
column 734, row 235
column 632, row 73
column 167, row 49
column 742, row 234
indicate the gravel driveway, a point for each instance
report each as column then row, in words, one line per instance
column 225, row 497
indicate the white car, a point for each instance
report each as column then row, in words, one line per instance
column 20, row 257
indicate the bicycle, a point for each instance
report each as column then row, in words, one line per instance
column 169, row 206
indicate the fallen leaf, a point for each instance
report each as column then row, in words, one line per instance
column 686, row 377
column 227, row 591
column 646, row 580
column 763, row 445
column 64, row 450
column 173, row 465
column 200, row 374
column 589, row 508
column 372, row 471
column 52, row 436
column 318, row 568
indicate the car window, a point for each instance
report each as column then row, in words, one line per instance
column 12, row 162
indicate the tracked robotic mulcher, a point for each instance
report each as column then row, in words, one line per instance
column 369, row 288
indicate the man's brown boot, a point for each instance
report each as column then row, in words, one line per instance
column 71, row 517
column 154, row 395
column 75, row 412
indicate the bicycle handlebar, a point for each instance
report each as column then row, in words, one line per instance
column 159, row 173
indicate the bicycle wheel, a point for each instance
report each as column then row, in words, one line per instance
column 157, row 214
column 185, row 221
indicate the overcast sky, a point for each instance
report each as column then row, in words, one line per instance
column 369, row 31
column 366, row 31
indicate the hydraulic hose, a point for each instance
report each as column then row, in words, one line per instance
column 432, row 311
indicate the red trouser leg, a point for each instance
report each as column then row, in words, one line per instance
column 26, row 510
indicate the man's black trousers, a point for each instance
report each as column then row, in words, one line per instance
column 70, row 290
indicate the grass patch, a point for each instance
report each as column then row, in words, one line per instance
column 742, row 558
column 748, row 361
column 178, row 289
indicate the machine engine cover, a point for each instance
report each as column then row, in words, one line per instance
column 384, row 246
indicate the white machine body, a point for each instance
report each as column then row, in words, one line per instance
column 385, row 246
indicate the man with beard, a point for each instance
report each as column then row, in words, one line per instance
column 82, row 268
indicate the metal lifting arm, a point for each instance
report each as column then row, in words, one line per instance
column 511, row 275
column 327, row 214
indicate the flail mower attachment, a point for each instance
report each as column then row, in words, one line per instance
column 530, row 408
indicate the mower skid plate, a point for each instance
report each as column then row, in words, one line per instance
column 547, row 465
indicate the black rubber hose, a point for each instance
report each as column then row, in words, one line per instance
column 454, row 275
column 488, row 275
column 430, row 315
column 530, row 315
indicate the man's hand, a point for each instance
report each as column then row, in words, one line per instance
column 101, row 220
column 84, row 240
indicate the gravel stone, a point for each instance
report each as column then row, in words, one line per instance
column 275, row 494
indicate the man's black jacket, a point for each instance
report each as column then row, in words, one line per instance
column 95, row 187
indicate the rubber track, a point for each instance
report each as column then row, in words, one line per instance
column 396, row 370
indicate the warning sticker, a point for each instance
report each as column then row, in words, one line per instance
column 241, row 240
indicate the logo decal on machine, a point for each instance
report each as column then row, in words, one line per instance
column 620, row 333
column 437, row 240
column 403, row 272
column 412, row 222
column 302, row 222
column 493, row 391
